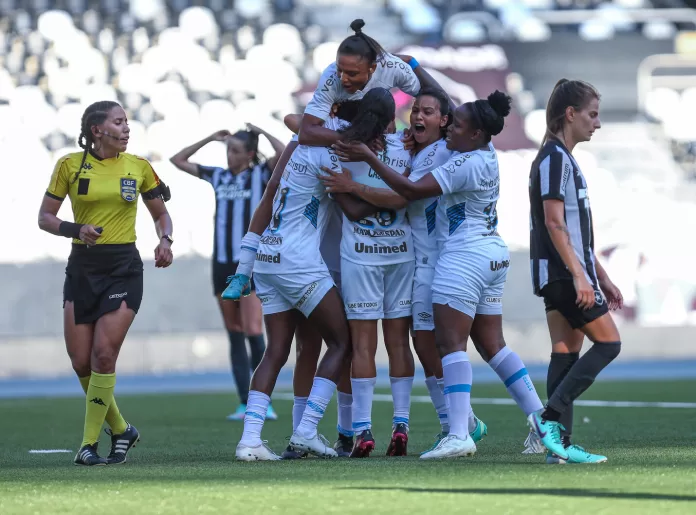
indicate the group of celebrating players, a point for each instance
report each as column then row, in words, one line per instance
column 360, row 223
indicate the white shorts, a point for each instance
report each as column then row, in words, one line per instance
column 283, row 292
column 472, row 281
column 377, row 292
column 423, row 299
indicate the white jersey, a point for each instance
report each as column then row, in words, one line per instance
column 466, row 212
column 391, row 72
column 292, row 239
column 423, row 213
column 385, row 237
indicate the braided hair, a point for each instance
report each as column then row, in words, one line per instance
column 95, row 114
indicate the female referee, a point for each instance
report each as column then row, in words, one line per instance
column 238, row 191
column 104, row 276
column 565, row 271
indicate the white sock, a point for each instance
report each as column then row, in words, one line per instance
column 363, row 391
column 472, row 420
column 255, row 415
column 511, row 370
column 444, row 422
column 298, row 407
column 247, row 255
column 345, row 414
column 438, row 399
column 401, row 395
column 457, row 374
column 319, row 397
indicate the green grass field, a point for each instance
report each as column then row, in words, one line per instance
column 185, row 462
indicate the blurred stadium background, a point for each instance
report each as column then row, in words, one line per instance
column 183, row 69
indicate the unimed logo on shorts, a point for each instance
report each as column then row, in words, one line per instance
column 268, row 258
column 499, row 265
column 118, row 295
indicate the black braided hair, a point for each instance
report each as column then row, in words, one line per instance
column 95, row 114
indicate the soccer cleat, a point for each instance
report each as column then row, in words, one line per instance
column 238, row 286
column 549, row 433
column 259, row 453
column 88, row 456
column 121, row 444
column 317, row 445
column 576, row 454
column 480, row 431
column 364, row 445
column 271, row 414
column 399, row 441
column 238, row 413
column 438, row 438
column 532, row 445
column 343, row 445
column 291, row 454
column 451, row 446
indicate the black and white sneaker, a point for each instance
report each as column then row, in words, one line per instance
column 88, row 456
column 121, row 444
column 343, row 445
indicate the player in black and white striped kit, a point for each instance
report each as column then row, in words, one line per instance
column 238, row 190
column 577, row 292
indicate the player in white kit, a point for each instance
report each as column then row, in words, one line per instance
column 292, row 277
column 472, row 265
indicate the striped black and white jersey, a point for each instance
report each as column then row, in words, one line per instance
column 236, row 198
column 556, row 175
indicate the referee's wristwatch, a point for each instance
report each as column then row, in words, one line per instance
column 168, row 238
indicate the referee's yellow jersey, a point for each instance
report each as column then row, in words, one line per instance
column 105, row 194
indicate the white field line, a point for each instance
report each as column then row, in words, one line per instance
column 48, row 451
column 509, row 402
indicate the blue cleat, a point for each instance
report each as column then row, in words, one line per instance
column 480, row 431
column 549, row 432
column 238, row 286
column 576, row 454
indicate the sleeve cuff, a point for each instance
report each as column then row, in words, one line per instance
column 54, row 197
column 316, row 112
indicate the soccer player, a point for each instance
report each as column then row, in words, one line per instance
column 472, row 265
column 361, row 64
column 577, row 292
column 104, row 275
column 293, row 281
column 238, row 190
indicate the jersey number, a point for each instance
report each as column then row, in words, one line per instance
column 281, row 197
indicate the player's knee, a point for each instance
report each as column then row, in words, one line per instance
column 277, row 356
column 103, row 359
column 610, row 350
column 82, row 368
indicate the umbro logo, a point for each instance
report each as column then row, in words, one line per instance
column 424, row 315
column 98, row 401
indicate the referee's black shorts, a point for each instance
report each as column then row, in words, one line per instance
column 560, row 296
column 221, row 271
column 99, row 278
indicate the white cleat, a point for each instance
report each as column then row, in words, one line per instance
column 317, row 445
column 259, row 453
column 532, row 445
column 451, row 446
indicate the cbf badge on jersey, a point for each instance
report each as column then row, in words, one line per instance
column 128, row 189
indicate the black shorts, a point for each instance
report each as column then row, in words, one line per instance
column 99, row 278
column 560, row 296
column 221, row 271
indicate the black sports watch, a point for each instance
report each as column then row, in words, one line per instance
column 168, row 238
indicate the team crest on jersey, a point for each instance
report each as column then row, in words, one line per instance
column 128, row 189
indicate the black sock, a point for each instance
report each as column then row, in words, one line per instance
column 559, row 366
column 241, row 370
column 551, row 414
column 582, row 375
column 566, row 441
column 257, row 344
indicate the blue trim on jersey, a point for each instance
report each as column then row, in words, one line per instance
column 312, row 211
column 456, row 215
column 247, row 247
column 430, row 213
column 458, row 388
column 315, row 407
column 515, row 377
